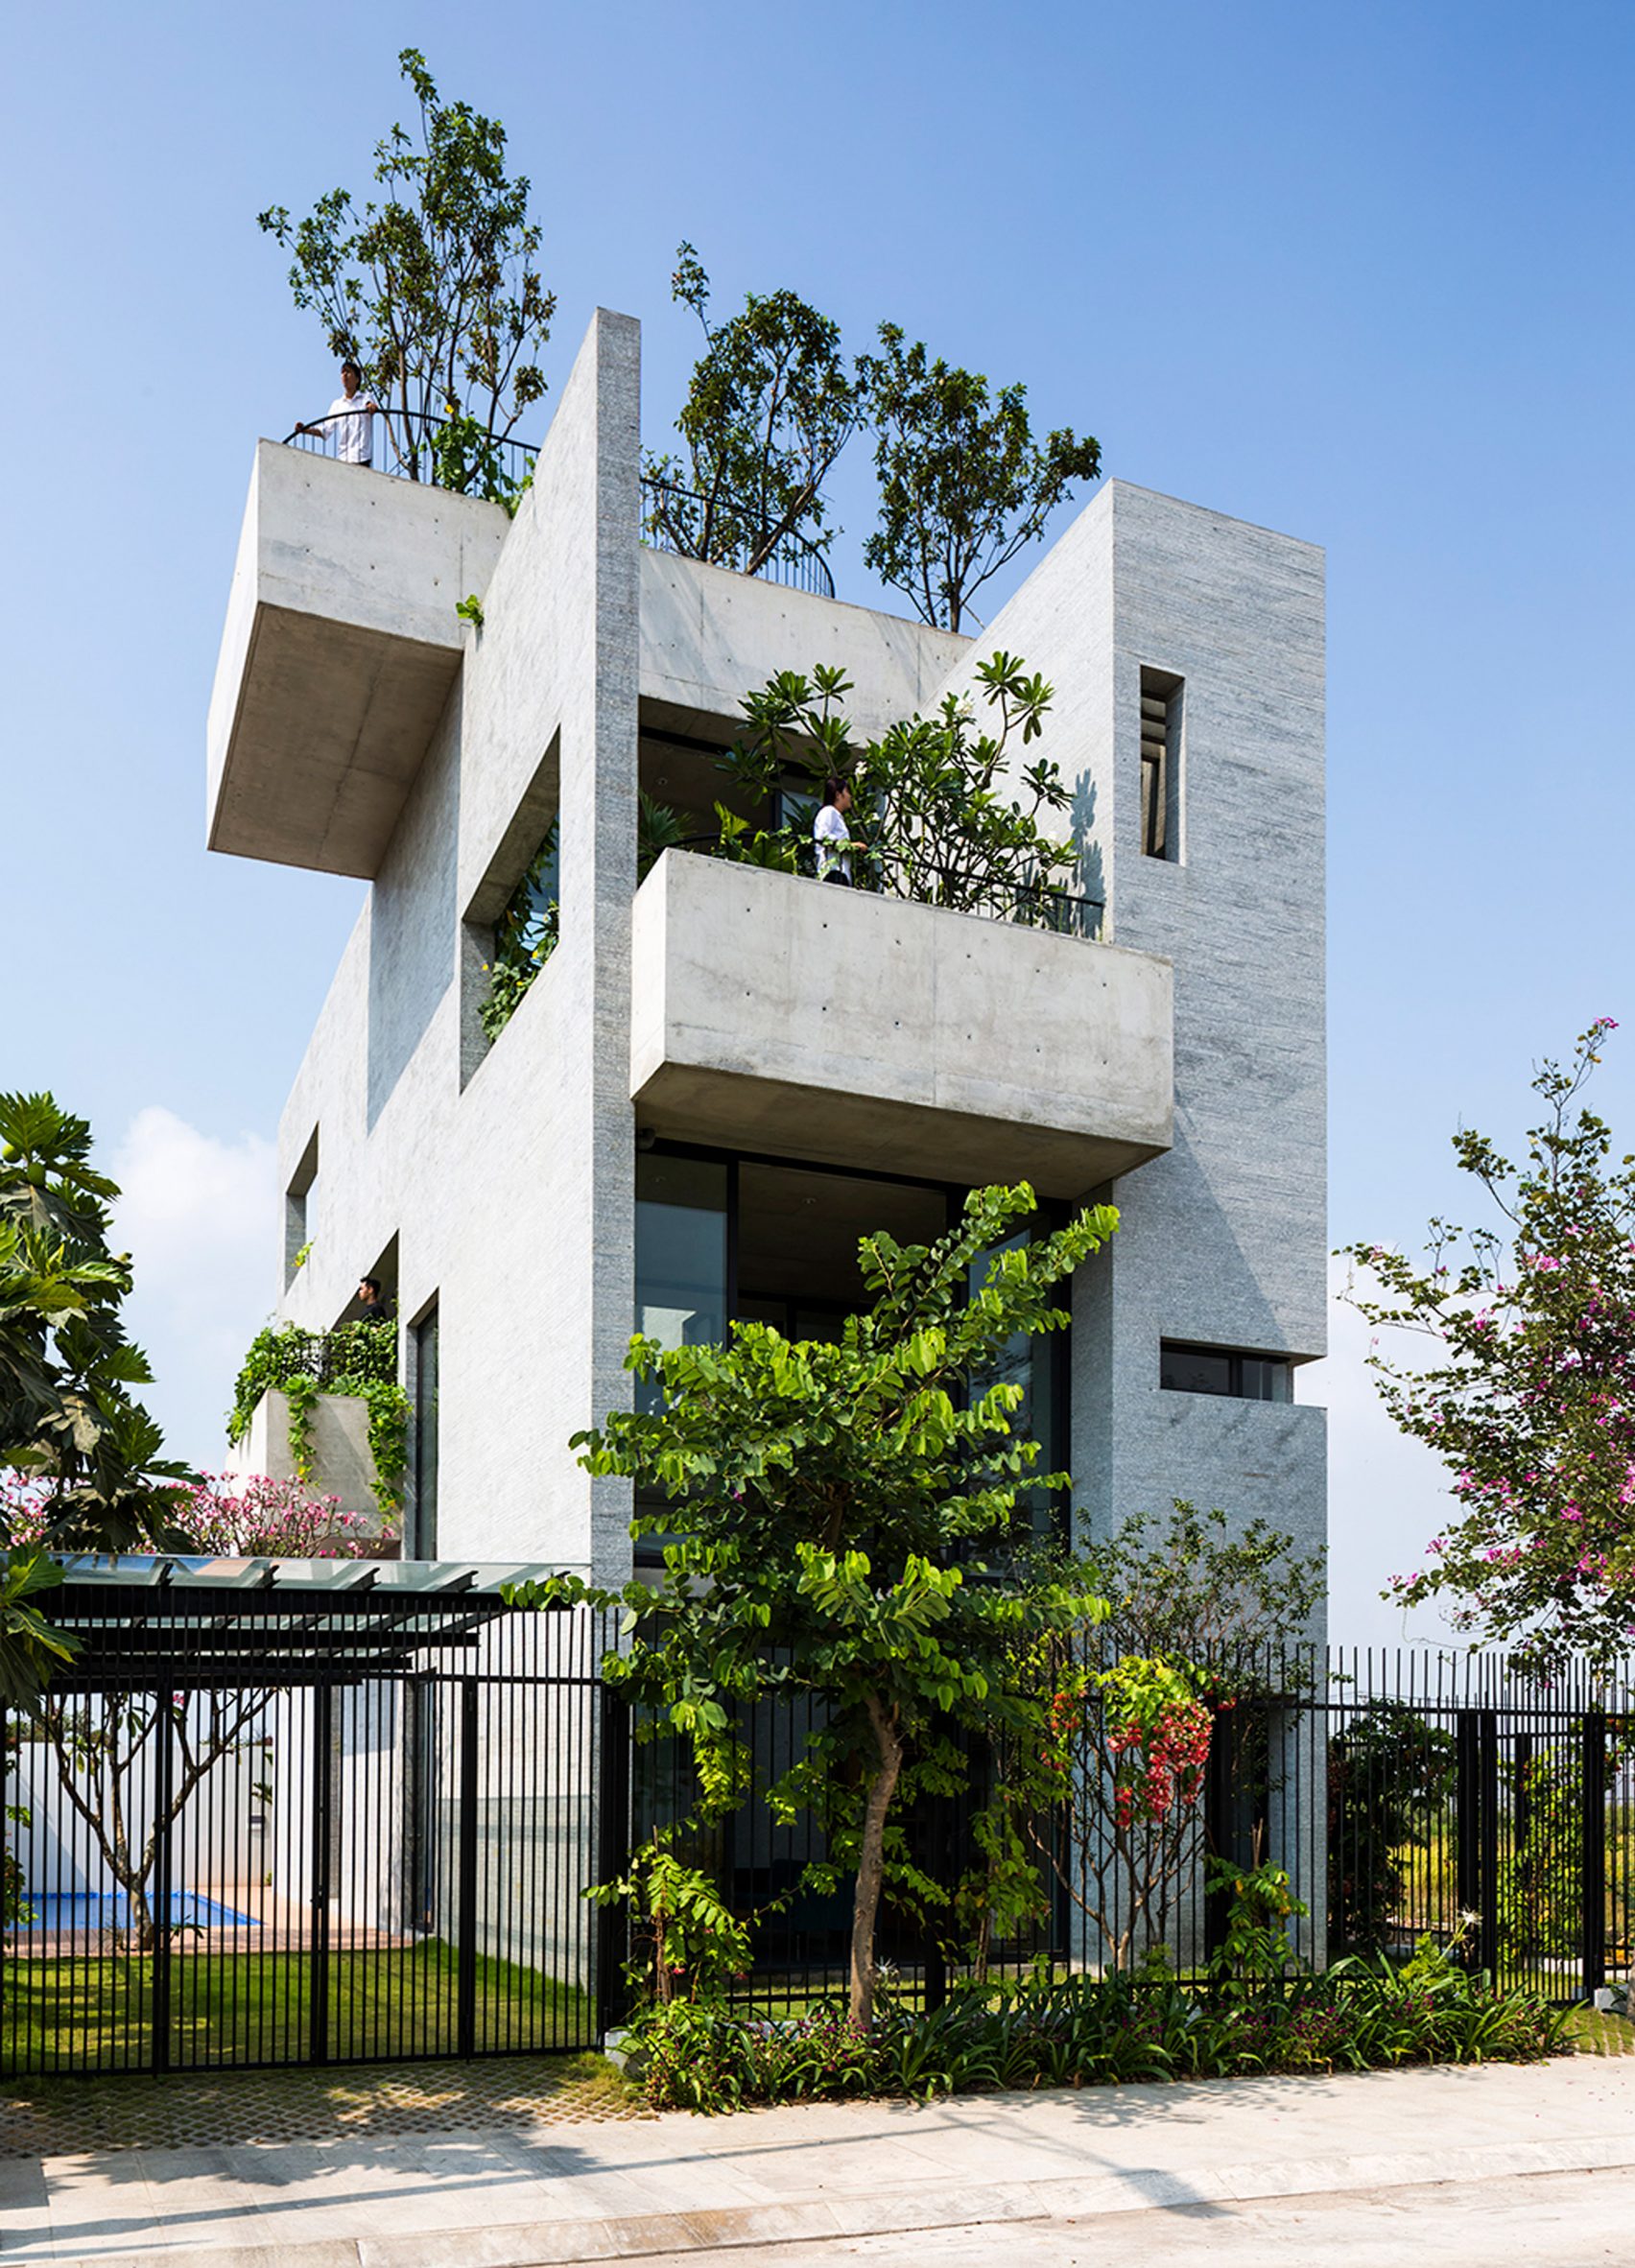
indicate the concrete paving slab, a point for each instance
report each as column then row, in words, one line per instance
column 825, row 2174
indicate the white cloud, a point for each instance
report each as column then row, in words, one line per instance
column 197, row 1215
column 1386, row 1496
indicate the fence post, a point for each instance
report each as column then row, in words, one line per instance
column 1594, row 1736
column 163, row 1791
column 612, row 1808
column 1467, row 1799
column 323, row 1806
column 466, row 1970
column 1218, row 1837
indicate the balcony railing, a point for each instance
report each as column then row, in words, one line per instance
column 441, row 453
column 925, row 882
column 672, row 519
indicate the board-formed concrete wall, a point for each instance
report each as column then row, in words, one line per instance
column 505, row 1174
column 1222, row 1239
column 503, row 1177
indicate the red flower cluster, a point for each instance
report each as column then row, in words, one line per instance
column 1153, row 1770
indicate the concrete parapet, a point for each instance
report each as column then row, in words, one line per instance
column 774, row 1013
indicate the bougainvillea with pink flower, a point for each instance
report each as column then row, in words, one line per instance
column 1529, row 1391
column 231, row 1516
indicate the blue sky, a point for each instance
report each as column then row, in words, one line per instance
column 1359, row 275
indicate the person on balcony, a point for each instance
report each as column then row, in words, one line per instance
column 372, row 1308
column 831, row 835
column 350, row 418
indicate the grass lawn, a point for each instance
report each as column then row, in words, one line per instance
column 96, row 2012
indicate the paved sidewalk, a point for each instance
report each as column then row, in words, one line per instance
column 804, row 2177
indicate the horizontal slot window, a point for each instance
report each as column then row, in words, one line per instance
column 1185, row 1369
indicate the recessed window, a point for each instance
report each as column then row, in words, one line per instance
column 423, row 1396
column 1225, row 1370
column 300, row 1212
column 1160, row 764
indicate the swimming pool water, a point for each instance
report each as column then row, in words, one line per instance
column 104, row 1909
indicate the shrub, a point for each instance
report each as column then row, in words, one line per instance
column 1088, row 2031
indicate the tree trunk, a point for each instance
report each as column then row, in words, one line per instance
column 871, row 1861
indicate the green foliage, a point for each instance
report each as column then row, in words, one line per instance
column 470, row 609
column 690, row 1944
column 1527, row 1388
column 1390, row 1774
column 358, row 1359
column 526, row 935
column 848, row 1513
column 769, row 406
column 953, row 814
column 1260, row 1904
column 1087, row 2031
column 302, row 1258
column 68, row 1418
column 963, row 484
column 1199, row 1617
column 15, row 1909
column 1196, row 1589
column 432, row 290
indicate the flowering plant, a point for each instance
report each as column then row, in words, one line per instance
column 1530, row 1395
column 229, row 1515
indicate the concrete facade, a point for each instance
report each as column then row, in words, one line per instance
column 1176, row 1066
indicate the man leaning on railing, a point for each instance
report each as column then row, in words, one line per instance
column 351, row 417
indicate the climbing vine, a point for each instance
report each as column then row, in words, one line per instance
column 525, row 937
column 356, row 1359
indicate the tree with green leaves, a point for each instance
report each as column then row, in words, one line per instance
column 68, row 1418
column 847, row 1520
column 432, row 286
column 951, row 815
column 769, row 406
column 1527, row 1389
column 964, row 488
column 1202, row 1615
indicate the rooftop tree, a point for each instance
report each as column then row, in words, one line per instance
column 1527, row 1389
column 769, row 406
column 963, row 485
column 433, row 288
column 846, row 1514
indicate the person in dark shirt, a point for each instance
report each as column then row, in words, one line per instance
column 372, row 1308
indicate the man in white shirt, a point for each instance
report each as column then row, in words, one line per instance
column 350, row 418
column 831, row 835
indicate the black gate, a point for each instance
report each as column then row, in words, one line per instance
column 356, row 1830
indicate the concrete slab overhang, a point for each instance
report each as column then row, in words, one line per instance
column 339, row 650
column 772, row 1013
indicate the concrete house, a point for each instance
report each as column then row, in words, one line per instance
column 723, row 1075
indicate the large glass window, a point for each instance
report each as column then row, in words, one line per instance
column 1033, row 1364
column 681, row 1215
column 720, row 1239
column 423, row 1543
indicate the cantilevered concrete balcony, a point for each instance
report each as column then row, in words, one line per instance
column 340, row 646
column 772, row 1014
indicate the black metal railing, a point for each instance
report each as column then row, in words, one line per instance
column 455, row 453
column 674, row 520
column 922, row 880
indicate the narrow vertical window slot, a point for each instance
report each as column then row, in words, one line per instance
column 1160, row 765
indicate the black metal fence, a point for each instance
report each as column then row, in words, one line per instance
column 675, row 519
column 313, row 1860
column 300, row 1850
column 453, row 453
